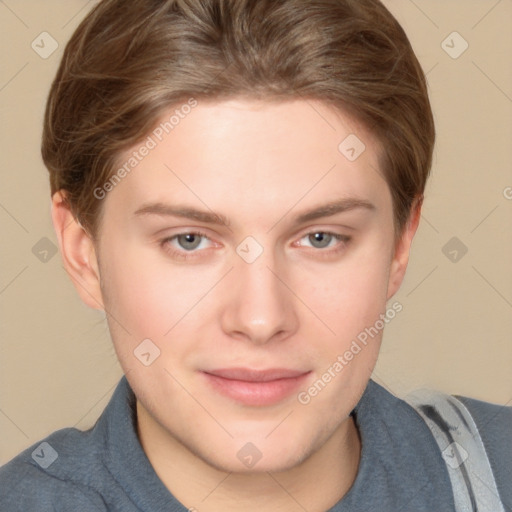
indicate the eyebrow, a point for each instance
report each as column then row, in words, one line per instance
column 210, row 217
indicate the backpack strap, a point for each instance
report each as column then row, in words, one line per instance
column 455, row 431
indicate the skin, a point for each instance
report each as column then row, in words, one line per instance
column 298, row 305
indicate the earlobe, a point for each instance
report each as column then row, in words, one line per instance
column 77, row 251
column 402, row 249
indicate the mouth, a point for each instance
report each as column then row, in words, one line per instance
column 255, row 387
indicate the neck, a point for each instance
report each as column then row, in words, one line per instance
column 316, row 484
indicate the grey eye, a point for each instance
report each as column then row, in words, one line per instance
column 320, row 239
column 189, row 241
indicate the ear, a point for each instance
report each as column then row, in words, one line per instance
column 402, row 248
column 77, row 251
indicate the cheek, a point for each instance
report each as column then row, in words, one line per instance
column 150, row 298
column 349, row 296
column 351, row 303
column 137, row 294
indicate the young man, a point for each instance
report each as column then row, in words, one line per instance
column 237, row 185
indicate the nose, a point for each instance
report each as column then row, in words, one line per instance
column 258, row 305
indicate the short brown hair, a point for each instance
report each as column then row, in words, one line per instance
column 128, row 62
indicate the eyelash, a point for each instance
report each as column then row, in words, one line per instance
column 186, row 255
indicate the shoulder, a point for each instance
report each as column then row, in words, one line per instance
column 92, row 470
column 494, row 421
column 51, row 475
column 400, row 460
column 494, row 424
column 482, row 430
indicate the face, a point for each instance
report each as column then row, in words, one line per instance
column 249, row 253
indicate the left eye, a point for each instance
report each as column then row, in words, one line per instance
column 189, row 241
column 323, row 239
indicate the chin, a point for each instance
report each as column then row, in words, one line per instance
column 247, row 457
column 267, row 464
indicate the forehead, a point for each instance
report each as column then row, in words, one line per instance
column 252, row 156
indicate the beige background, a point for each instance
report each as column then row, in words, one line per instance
column 57, row 366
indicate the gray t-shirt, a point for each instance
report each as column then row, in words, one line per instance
column 105, row 468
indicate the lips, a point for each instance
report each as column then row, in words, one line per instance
column 255, row 387
column 248, row 375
